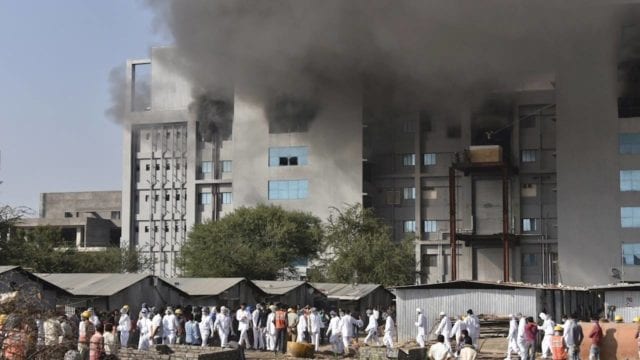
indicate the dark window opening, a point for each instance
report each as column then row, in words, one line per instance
column 178, row 196
column 137, row 229
column 146, row 229
column 68, row 214
column 167, row 197
column 157, row 166
column 157, row 197
column 284, row 161
column 146, row 198
column 293, row 160
column 167, row 166
column 147, row 167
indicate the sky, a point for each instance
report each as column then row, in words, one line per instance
column 54, row 66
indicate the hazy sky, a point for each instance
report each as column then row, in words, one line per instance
column 55, row 60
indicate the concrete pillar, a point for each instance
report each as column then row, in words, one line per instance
column 79, row 236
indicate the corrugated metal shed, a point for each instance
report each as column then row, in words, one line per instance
column 625, row 297
column 5, row 268
column 205, row 286
column 272, row 287
column 352, row 292
column 89, row 284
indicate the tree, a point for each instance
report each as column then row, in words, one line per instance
column 256, row 243
column 360, row 249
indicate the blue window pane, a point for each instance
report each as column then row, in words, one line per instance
column 630, row 217
column 629, row 143
column 288, row 156
column 288, row 189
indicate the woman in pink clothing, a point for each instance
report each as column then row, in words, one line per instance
column 96, row 344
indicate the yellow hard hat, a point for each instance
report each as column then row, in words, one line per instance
column 3, row 319
column 618, row 318
column 86, row 314
column 178, row 312
column 557, row 328
column 125, row 306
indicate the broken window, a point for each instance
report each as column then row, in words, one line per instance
column 287, row 156
column 288, row 115
column 141, row 87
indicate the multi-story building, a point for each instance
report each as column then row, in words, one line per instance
column 88, row 220
column 564, row 193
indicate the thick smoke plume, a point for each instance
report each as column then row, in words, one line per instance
column 434, row 52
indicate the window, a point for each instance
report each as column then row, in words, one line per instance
column 409, row 193
column 630, row 217
column 146, row 229
column 115, row 215
column 529, row 224
column 631, row 254
column 68, row 214
column 227, row 198
column 205, row 198
column 156, row 197
column 167, row 197
column 529, row 190
column 392, row 197
column 429, row 193
column 529, row 260
column 207, row 167
column 147, row 167
column 177, row 195
column 429, row 159
column 409, row 126
column 528, row 156
column 430, row 226
column 146, row 198
column 157, row 166
column 288, row 189
column 288, row 156
column 409, row 159
column 226, row 166
column 430, row 260
column 629, row 143
column 167, row 166
column 629, row 180
column 409, row 226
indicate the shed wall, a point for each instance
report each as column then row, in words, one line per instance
column 627, row 303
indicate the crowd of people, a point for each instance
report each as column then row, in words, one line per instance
column 260, row 327
column 465, row 331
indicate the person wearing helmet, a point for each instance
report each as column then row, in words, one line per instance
column 371, row 329
column 334, row 333
column 169, row 327
column 512, row 336
column 124, row 326
column 85, row 331
column 444, row 329
column 558, row 346
column 421, row 324
column 547, row 326
column 596, row 339
column 144, row 328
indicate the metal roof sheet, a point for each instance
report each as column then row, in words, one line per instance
column 5, row 268
column 274, row 287
column 620, row 286
column 340, row 291
column 476, row 284
column 93, row 284
column 204, row 286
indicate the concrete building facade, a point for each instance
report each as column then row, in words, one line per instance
column 569, row 149
column 88, row 220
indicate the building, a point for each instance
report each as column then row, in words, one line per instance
column 88, row 220
column 229, row 292
column 356, row 297
column 290, row 292
column 563, row 190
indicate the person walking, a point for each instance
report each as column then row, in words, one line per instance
column 335, row 337
column 444, row 328
column 243, row 326
column 96, row 347
column 512, row 337
column 85, row 331
column 124, row 326
column 204, row 326
column 224, row 326
column 315, row 324
column 349, row 323
column 280, row 321
column 270, row 331
column 473, row 327
column 292, row 321
column 144, row 328
column 530, row 335
column 303, row 325
column 170, row 327
column 389, row 331
column 547, row 327
column 421, row 324
column 558, row 346
column 522, row 325
column 371, row 329
column 596, row 339
column 572, row 337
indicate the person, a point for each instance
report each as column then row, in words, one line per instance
column 439, row 351
column 547, row 326
column 596, row 339
column 110, row 346
column 558, row 346
column 96, row 348
column 95, row 320
column 473, row 326
column 156, row 326
column 530, row 335
column 512, row 337
column 421, row 324
column 243, row 325
column 389, row 329
column 124, row 326
column 181, row 323
column 572, row 337
column 315, row 323
column 85, row 331
column 258, row 335
column 169, row 327
column 292, row 320
column 280, row 321
column 204, row 326
column 52, row 331
column 371, row 329
column 349, row 323
column 444, row 329
column 223, row 324
column 522, row 324
column 468, row 351
column 270, row 331
column 191, row 335
column 67, row 330
column 303, row 325
column 144, row 329
column 333, row 332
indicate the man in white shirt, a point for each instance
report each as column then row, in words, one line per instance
column 315, row 323
column 372, row 329
column 444, row 329
column 439, row 351
column 348, row 323
column 258, row 335
column 156, row 326
column 421, row 324
column 243, row 325
column 547, row 326
column 512, row 337
column 335, row 337
column 144, row 327
column 169, row 327
column 473, row 327
column 389, row 330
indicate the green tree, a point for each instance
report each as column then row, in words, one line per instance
column 359, row 249
column 256, row 243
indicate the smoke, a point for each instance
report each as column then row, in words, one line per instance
column 439, row 53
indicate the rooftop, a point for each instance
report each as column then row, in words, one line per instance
column 93, row 284
column 345, row 291
column 204, row 286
